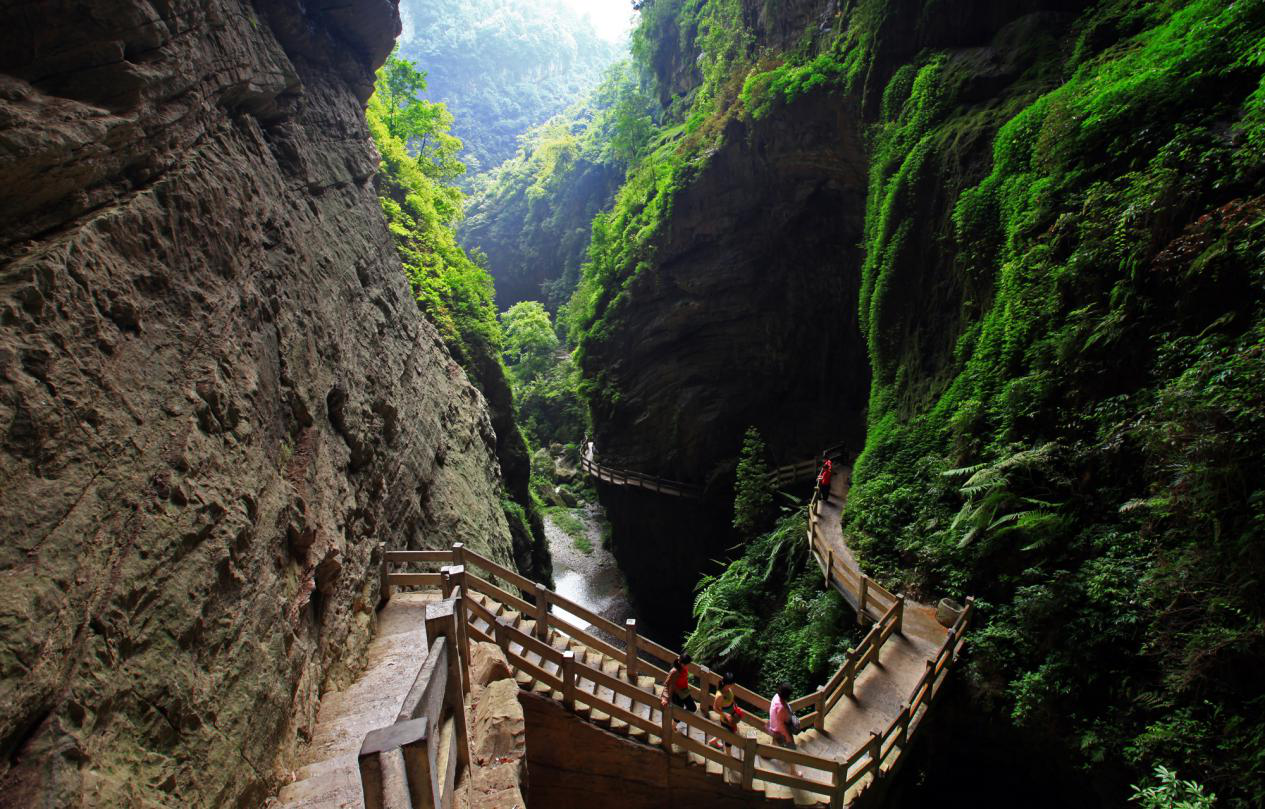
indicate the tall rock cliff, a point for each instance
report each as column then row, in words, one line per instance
column 1032, row 234
column 217, row 394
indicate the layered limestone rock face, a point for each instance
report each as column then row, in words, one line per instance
column 747, row 316
column 218, row 395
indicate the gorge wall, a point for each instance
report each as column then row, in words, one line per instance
column 1010, row 252
column 218, row 395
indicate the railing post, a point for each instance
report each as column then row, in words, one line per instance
column 667, row 729
column 748, row 761
column 865, row 586
column 459, row 554
column 630, row 648
column 458, row 575
column 838, row 777
column 876, row 752
column 500, row 633
column 568, row 680
column 903, row 737
column 384, row 593
column 458, row 686
column 446, row 584
column 820, row 703
column 948, row 645
column 900, row 616
column 830, row 561
column 542, row 612
column 850, row 676
column 420, row 775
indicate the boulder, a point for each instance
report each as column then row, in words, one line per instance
column 488, row 664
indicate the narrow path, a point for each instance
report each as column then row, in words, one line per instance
column 328, row 776
column 883, row 688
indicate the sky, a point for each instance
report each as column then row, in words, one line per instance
column 611, row 18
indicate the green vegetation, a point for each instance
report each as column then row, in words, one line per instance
column 421, row 208
column 1104, row 401
column 1170, row 792
column 571, row 525
column 767, row 617
column 501, row 67
column 1063, row 298
column 546, row 384
column 753, row 499
column 532, row 215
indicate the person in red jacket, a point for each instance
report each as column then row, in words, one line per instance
column 823, row 481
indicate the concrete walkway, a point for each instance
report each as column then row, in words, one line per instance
column 328, row 776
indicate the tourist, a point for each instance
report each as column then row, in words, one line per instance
column 782, row 721
column 823, row 481
column 676, row 686
column 725, row 705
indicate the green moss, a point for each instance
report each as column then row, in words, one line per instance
column 573, row 526
column 1082, row 341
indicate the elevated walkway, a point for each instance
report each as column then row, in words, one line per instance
column 857, row 725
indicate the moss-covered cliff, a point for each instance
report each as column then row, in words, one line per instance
column 217, row 395
column 1032, row 233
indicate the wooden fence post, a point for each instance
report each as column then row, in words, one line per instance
column 446, row 582
column 630, row 648
column 500, row 634
column 830, row 561
column 838, row 777
column 419, row 768
column 459, row 554
column 462, row 639
column 384, row 593
column 568, row 680
column 903, row 725
column 900, row 617
column 876, row 752
column 865, row 586
column 820, row 703
column 851, row 673
column 542, row 611
column 748, row 761
column 667, row 730
column 458, row 575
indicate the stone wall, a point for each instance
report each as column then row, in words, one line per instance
column 216, row 394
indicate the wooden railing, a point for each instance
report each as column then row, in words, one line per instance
column 777, row 476
column 870, row 599
column 434, row 701
column 891, row 744
column 622, row 477
column 467, row 572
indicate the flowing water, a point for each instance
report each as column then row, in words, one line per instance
column 591, row 579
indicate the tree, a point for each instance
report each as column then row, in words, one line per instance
column 753, row 501
column 422, row 125
column 530, row 341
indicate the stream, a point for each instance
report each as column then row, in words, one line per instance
column 590, row 578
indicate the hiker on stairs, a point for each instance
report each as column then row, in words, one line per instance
column 783, row 723
column 725, row 706
column 676, row 686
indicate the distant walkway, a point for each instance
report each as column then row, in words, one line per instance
column 777, row 476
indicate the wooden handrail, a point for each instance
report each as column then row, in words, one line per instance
column 435, row 696
column 873, row 758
